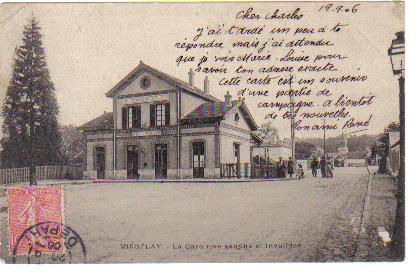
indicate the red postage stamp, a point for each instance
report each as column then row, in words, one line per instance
column 28, row 207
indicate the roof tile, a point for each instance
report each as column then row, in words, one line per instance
column 210, row 110
column 104, row 121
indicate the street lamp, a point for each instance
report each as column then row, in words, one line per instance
column 396, row 53
column 397, row 58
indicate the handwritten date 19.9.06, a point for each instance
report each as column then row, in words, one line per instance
column 339, row 8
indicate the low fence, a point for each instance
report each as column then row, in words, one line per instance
column 249, row 170
column 58, row 172
column 13, row 175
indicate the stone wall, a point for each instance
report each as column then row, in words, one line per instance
column 212, row 173
column 227, row 139
column 117, row 174
column 147, row 173
column 90, row 174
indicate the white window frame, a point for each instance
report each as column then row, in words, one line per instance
column 130, row 117
column 160, row 115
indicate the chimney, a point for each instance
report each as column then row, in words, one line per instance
column 206, row 85
column 191, row 77
column 227, row 98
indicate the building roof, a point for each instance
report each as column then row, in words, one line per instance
column 204, row 112
column 211, row 110
column 218, row 110
column 104, row 121
column 172, row 80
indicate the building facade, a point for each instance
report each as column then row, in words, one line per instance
column 394, row 153
column 164, row 128
column 282, row 149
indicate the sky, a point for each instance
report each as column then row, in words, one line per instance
column 90, row 47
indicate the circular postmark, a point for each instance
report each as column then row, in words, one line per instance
column 49, row 242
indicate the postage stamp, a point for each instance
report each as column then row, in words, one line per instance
column 29, row 206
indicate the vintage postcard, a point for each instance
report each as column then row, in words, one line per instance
column 202, row 132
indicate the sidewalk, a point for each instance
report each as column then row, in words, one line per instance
column 53, row 182
column 381, row 210
column 201, row 180
column 192, row 180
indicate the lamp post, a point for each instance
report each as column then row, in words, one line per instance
column 324, row 138
column 397, row 58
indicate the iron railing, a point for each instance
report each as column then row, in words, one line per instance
column 251, row 170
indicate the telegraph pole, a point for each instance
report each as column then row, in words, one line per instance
column 292, row 124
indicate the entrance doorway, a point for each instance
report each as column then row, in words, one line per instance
column 161, row 161
column 198, row 159
column 100, row 161
column 132, row 162
column 237, row 153
column 236, row 148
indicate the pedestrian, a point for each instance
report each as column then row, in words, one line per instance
column 278, row 168
column 328, row 170
column 299, row 173
column 322, row 165
column 290, row 169
column 314, row 166
column 282, row 168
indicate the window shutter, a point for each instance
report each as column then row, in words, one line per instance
column 167, row 114
column 124, row 118
column 133, row 117
column 137, row 117
column 152, row 115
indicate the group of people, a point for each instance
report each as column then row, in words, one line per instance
column 324, row 165
column 287, row 168
column 281, row 169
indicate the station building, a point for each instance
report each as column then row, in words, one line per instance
column 164, row 128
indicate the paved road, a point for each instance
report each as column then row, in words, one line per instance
column 307, row 220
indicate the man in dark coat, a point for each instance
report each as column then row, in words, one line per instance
column 314, row 166
column 281, row 169
column 290, row 168
column 322, row 165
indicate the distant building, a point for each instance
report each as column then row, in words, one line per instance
column 272, row 138
column 343, row 146
column 273, row 151
column 319, row 152
column 356, row 159
column 332, row 154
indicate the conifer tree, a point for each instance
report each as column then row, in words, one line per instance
column 31, row 133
